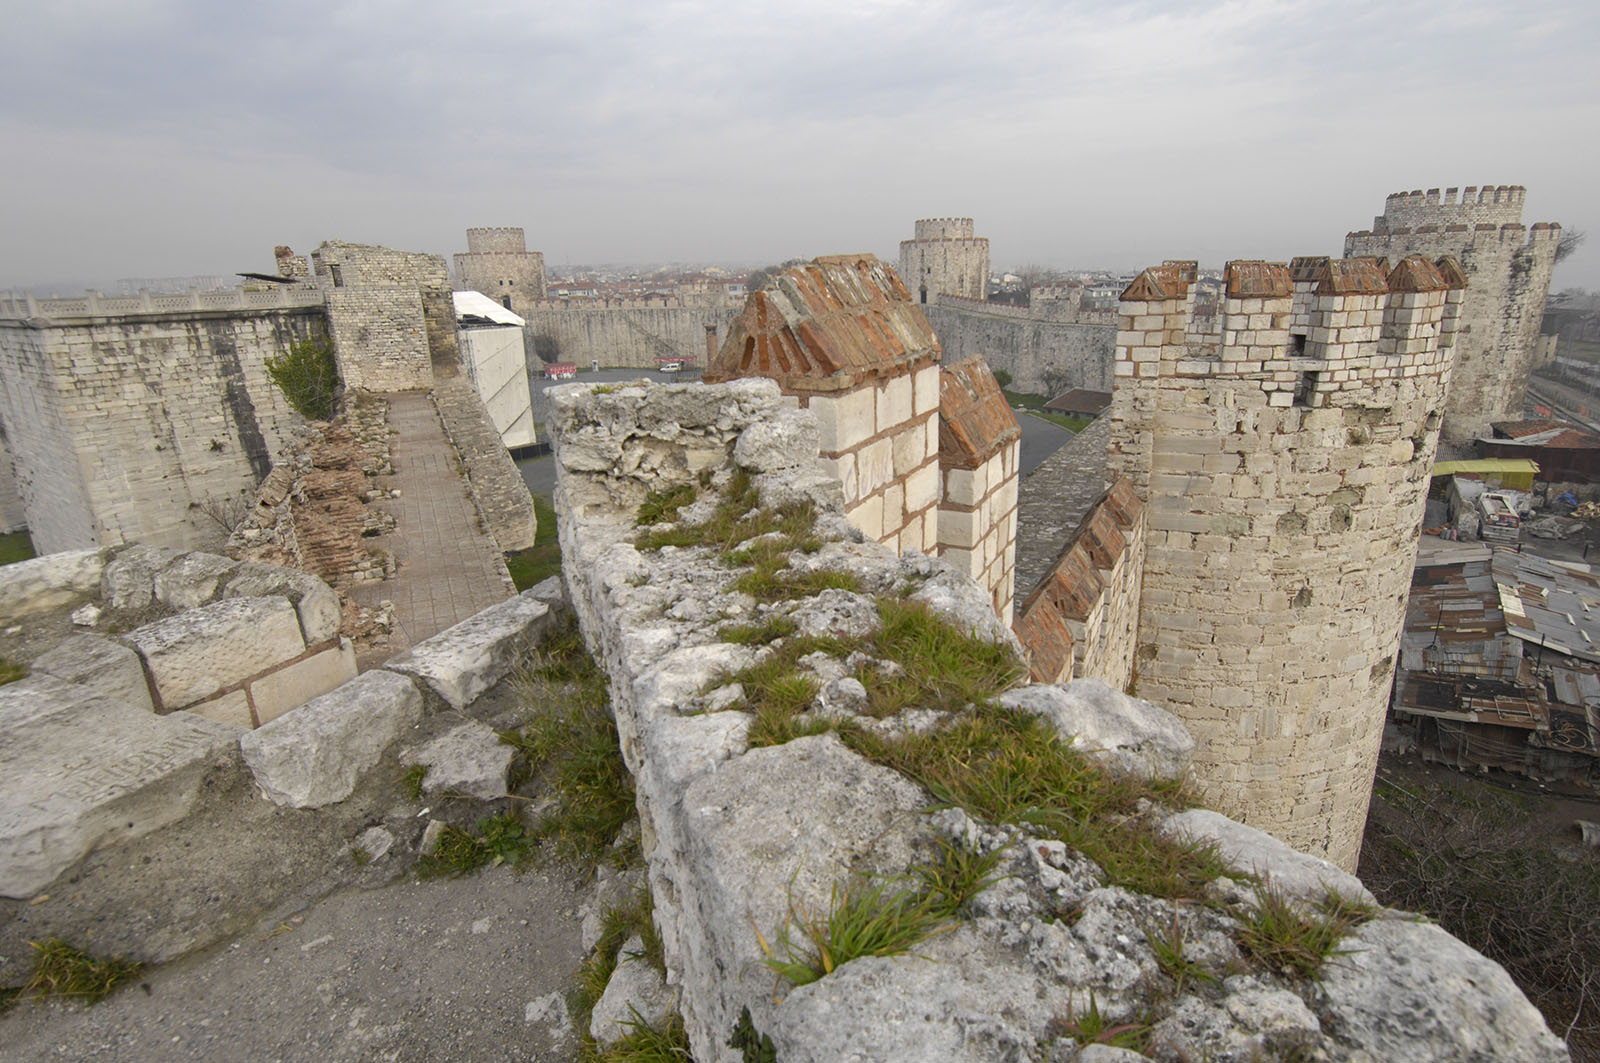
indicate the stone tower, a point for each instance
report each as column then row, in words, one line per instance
column 1508, row 270
column 944, row 258
column 497, row 263
column 1284, row 477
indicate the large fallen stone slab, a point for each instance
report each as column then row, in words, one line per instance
column 314, row 601
column 1100, row 721
column 463, row 661
column 79, row 770
column 469, row 759
column 200, row 652
column 106, row 667
column 315, row 755
column 636, row 991
column 129, row 579
column 41, row 584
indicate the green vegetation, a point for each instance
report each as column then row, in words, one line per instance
column 16, row 546
column 308, row 376
column 10, row 673
column 59, row 970
column 1093, row 1028
column 572, row 743
column 660, row 507
column 864, row 918
column 1166, row 943
column 768, row 630
column 1281, row 934
column 498, row 840
column 543, row 559
column 411, row 781
column 617, row 925
column 645, row 1043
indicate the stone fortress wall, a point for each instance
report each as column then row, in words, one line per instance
column 390, row 313
column 584, row 331
column 1508, row 267
column 743, row 840
column 979, row 442
column 129, row 418
column 1284, row 478
column 945, row 258
column 1045, row 350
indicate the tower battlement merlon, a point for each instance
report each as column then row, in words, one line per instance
column 501, row 238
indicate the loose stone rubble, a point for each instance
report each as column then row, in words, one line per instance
column 738, row 839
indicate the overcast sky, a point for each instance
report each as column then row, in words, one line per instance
column 162, row 137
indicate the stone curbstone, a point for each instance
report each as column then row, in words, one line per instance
column 463, row 661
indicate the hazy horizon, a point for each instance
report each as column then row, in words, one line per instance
column 157, row 138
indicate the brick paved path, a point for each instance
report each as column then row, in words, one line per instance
column 449, row 568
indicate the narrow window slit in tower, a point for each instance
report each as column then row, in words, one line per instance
column 1304, row 387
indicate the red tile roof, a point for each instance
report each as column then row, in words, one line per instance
column 826, row 326
column 975, row 420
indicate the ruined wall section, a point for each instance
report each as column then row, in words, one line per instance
column 1082, row 620
column 498, row 489
column 618, row 337
column 131, row 426
column 945, row 258
column 979, row 439
column 391, row 314
column 1045, row 350
column 1508, row 269
column 1284, row 498
column 497, row 263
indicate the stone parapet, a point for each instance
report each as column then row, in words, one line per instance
column 498, row 489
column 742, row 842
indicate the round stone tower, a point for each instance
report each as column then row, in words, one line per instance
column 1508, row 271
column 945, row 258
column 1284, row 476
column 497, row 263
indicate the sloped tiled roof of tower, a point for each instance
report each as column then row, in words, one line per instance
column 1450, row 269
column 1415, row 273
column 1157, row 283
column 827, row 326
column 975, row 420
column 1353, row 276
column 1251, row 279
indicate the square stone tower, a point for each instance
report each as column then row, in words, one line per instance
column 497, row 263
column 945, row 258
column 842, row 335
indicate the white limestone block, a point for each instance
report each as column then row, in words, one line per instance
column 925, row 390
column 232, row 708
column 874, row 465
column 295, row 684
column 868, row 516
column 894, row 403
column 1100, row 721
column 191, row 579
column 463, row 661
column 79, row 770
column 1256, row 852
column 966, row 487
column 315, row 602
column 845, row 420
column 315, row 755
column 922, row 487
column 469, row 759
column 788, row 439
column 129, row 580
column 41, row 584
column 106, row 667
column 193, row 655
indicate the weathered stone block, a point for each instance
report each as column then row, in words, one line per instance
column 925, row 390
column 1100, row 721
column 232, row 708
column 192, row 579
column 129, row 579
column 295, row 684
column 463, row 661
column 79, row 771
column 894, row 403
column 909, row 449
column 1259, row 853
column 41, row 584
column 965, row 487
column 922, row 487
column 844, row 421
column 315, row 755
column 874, row 466
column 314, row 601
column 197, row 653
column 790, row 438
column 469, row 759
column 105, row 667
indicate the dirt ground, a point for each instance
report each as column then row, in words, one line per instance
column 470, row 969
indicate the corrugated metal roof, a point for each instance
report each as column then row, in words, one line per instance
column 1486, row 465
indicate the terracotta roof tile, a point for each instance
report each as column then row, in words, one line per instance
column 1415, row 273
column 827, row 326
column 1156, row 284
column 1307, row 267
column 1048, row 640
column 975, row 420
column 1450, row 270
column 1353, row 276
column 1259, row 280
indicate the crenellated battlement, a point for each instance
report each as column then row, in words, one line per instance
column 504, row 239
column 944, row 229
column 1457, row 236
column 1473, row 205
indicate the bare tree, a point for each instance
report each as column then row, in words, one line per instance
column 1571, row 240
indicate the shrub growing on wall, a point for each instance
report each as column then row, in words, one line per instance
column 308, row 377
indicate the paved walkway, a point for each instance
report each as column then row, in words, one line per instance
column 449, row 567
column 1053, row 499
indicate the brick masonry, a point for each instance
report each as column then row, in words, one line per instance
column 978, row 444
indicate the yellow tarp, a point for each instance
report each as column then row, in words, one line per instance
column 1516, row 473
